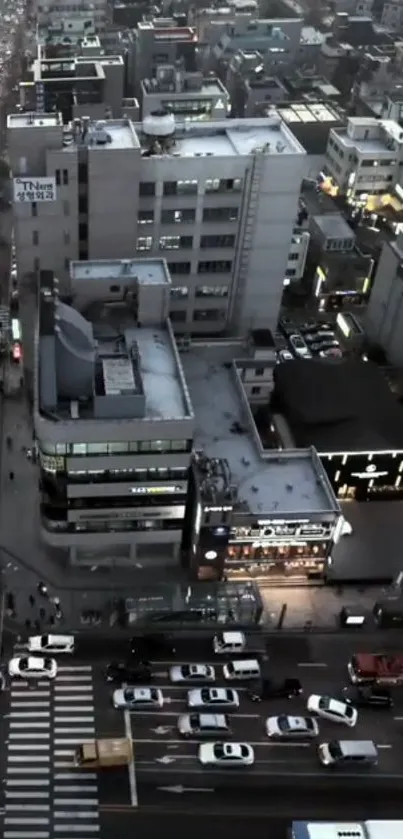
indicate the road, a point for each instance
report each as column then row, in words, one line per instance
column 45, row 798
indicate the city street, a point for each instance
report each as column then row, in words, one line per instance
column 42, row 723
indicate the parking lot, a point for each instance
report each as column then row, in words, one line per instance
column 309, row 339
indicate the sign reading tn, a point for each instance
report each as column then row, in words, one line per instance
column 28, row 190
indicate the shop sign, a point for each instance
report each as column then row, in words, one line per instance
column 156, row 490
column 370, row 472
column 135, row 514
column 283, row 532
column 34, row 190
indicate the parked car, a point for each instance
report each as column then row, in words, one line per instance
column 119, row 672
column 285, row 355
column 333, row 710
column 134, row 699
column 51, row 644
column 269, row 689
column 331, row 352
column 369, row 696
column 213, row 698
column 299, row 346
column 288, row 728
column 226, row 754
column 32, row 667
column 309, row 327
column 324, row 344
column 192, row 673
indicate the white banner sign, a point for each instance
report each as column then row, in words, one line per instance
column 28, row 190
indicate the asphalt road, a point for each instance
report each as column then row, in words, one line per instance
column 41, row 725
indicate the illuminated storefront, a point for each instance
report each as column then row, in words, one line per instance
column 355, row 278
column 365, row 476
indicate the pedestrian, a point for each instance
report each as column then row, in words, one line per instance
column 58, row 614
column 43, row 590
column 51, row 620
column 27, row 624
column 37, row 625
column 11, row 476
column 10, row 602
column 56, row 601
column 42, row 613
column 31, row 599
column 9, row 442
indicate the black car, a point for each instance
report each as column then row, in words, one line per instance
column 119, row 672
column 368, row 697
column 268, row 689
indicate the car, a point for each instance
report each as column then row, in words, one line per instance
column 267, row 689
column 310, row 337
column 213, row 698
column 119, row 672
column 309, row 327
column 204, row 725
column 51, row 644
column 319, row 346
column 134, row 699
column 32, row 667
column 299, row 346
column 226, row 754
column 331, row 352
column 369, row 696
column 285, row 355
column 333, row 710
column 192, row 673
column 285, row 727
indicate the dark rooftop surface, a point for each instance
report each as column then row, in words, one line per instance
column 342, row 406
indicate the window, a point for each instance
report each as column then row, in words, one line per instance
column 211, row 291
column 225, row 241
column 180, row 188
column 171, row 243
column 146, row 217
column 144, row 243
column 57, row 177
column 220, row 214
column 368, row 162
column 290, row 272
column 82, row 173
column 179, row 292
column 255, row 390
column 66, row 208
column 259, row 371
column 83, row 232
column 66, row 237
column 65, row 177
column 223, row 185
column 292, row 257
column 200, row 315
column 178, row 316
column 178, row 216
column 83, row 203
column 146, row 188
column 214, row 266
column 35, row 238
column 179, row 268
column 114, row 289
column 34, row 209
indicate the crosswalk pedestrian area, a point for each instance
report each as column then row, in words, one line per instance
column 45, row 797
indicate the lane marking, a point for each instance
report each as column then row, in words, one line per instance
column 28, row 758
column 18, row 693
column 25, row 794
column 67, row 814
column 18, row 834
column 272, row 744
column 28, row 747
column 32, row 770
column 398, row 718
column 67, row 741
column 29, row 714
column 88, row 730
column 76, row 828
column 68, row 776
column 88, row 719
column 39, row 735
column 66, row 752
column 384, row 746
column 27, row 782
column 131, row 769
column 14, row 820
column 29, row 705
column 75, row 788
column 85, row 688
column 31, row 724
column 78, row 668
column 34, row 808
column 76, row 801
column 312, row 664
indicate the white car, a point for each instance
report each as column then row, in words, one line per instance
column 32, row 667
column 286, row 727
column 51, row 644
column 332, row 709
column 299, row 346
column 213, row 698
column 133, row 699
column 226, row 754
column 192, row 673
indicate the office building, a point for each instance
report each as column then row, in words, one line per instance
column 384, row 315
column 189, row 96
column 217, row 200
column 160, row 41
column 112, row 416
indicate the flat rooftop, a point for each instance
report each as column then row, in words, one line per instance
column 239, row 137
column 263, row 482
column 301, row 112
column 334, row 226
column 391, row 128
column 145, row 271
column 32, row 120
column 120, row 133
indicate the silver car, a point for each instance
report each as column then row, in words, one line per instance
column 192, row 673
column 134, row 699
column 285, row 727
column 213, row 698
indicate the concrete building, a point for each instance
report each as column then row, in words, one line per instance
column 189, row 96
column 66, row 16
column 311, row 122
column 54, row 30
column 277, row 38
column 366, row 157
column 250, row 85
column 384, row 316
column 160, row 41
column 298, row 254
column 331, row 232
column 217, row 200
column 112, row 416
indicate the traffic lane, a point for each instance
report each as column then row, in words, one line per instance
column 146, row 823
column 113, row 785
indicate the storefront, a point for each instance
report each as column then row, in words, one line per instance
column 365, row 476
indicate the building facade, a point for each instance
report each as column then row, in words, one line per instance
column 384, row 315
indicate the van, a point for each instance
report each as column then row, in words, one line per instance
column 204, row 725
column 229, row 642
column 349, row 753
column 244, row 669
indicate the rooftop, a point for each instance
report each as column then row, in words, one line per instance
column 32, row 120
column 388, row 129
column 239, row 137
column 280, row 481
column 310, row 123
column 148, row 271
column 334, row 226
column 188, row 88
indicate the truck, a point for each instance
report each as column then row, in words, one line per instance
column 376, row 668
column 103, row 754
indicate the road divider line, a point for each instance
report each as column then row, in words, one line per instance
column 384, row 746
column 131, row 768
column 398, row 718
column 312, row 664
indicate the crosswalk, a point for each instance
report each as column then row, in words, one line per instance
column 45, row 797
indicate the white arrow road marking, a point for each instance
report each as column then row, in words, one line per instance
column 180, row 789
column 162, row 729
column 166, row 759
column 384, row 746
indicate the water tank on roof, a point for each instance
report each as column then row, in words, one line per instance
column 159, row 124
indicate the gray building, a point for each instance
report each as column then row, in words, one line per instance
column 160, row 41
column 217, row 200
column 251, row 86
column 331, row 232
column 112, row 416
column 384, row 317
column 189, row 96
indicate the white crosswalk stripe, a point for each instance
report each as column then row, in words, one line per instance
column 45, row 797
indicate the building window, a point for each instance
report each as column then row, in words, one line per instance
column 65, row 177
column 179, row 292
column 223, row 185
column 255, row 390
column 290, row 272
column 178, row 316
column 259, row 371
column 225, row 241
column 146, row 188
column 214, row 266
column 179, row 267
column 200, row 315
column 180, row 187
column 144, row 243
column 57, row 177
column 173, row 243
column 83, row 204
column 211, row 291
column 220, row 214
column 35, row 238
column 178, row 216
column 146, row 217
column 34, row 209
column 83, row 232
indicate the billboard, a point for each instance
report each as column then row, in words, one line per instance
column 34, row 190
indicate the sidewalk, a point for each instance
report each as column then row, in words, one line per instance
column 315, row 608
